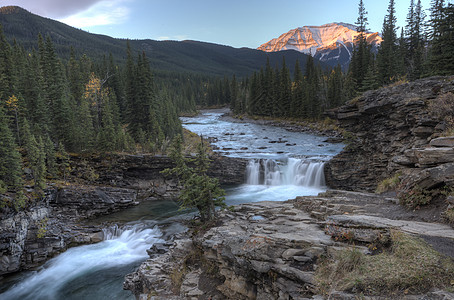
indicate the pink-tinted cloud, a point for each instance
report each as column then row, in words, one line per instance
column 52, row 8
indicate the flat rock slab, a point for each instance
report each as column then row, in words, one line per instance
column 413, row 227
column 447, row 141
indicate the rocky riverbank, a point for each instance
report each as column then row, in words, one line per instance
column 339, row 245
column 96, row 185
column 277, row 250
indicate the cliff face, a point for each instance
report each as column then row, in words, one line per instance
column 99, row 185
column 391, row 130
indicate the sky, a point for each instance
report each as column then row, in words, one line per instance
column 237, row 23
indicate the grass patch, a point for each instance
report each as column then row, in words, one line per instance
column 388, row 184
column 409, row 265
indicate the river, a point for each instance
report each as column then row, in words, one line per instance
column 282, row 165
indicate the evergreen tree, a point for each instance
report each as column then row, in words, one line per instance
column 297, row 107
column 335, row 87
column 10, row 162
column 370, row 82
column 199, row 190
column 35, row 156
column 387, row 55
column 414, row 30
column 7, row 78
column 361, row 57
column 63, row 161
column 442, row 45
column 285, row 94
column 51, row 156
column 312, row 105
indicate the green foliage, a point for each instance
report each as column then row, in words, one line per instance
column 388, row 52
column 42, row 228
column 20, row 201
column 10, row 162
column 441, row 60
column 415, row 198
column 63, row 161
column 199, row 190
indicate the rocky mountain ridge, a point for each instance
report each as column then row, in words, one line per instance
column 330, row 43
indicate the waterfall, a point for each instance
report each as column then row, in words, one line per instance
column 82, row 265
column 293, row 172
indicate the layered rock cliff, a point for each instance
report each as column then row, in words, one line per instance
column 394, row 130
column 97, row 186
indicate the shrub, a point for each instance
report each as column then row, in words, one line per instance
column 415, row 198
column 388, row 184
column 442, row 108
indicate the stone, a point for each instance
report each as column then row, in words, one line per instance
column 447, row 141
column 434, row 156
column 385, row 128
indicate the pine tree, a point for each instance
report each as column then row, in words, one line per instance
column 442, row 45
column 335, row 87
column 63, row 161
column 51, row 157
column 35, row 156
column 297, row 107
column 199, row 190
column 10, row 162
column 285, row 94
column 387, row 55
column 312, row 106
column 414, row 31
column 370, row 82
column 7, row 78
column 361, row 53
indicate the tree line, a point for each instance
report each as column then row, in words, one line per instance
column 425, row 48
column 49, row 107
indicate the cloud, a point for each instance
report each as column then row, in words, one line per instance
column 53, row 8
column 77, row 13
column 102, row 13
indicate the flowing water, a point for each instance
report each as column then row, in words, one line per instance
column 282, row 165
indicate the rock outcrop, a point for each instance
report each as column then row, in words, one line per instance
column 143, row 173
column 271, row 250
column 29, row 238
column 99, row 186
column 393, row 130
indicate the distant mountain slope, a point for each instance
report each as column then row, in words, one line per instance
column 185, row 56
column 331, row 43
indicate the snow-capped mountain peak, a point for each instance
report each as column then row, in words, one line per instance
column 332, row 43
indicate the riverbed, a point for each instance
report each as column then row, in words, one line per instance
column 282, row 165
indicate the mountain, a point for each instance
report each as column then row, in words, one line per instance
column 167, row 56
column 330, row 43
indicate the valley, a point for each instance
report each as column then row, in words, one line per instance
column 319, row 165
